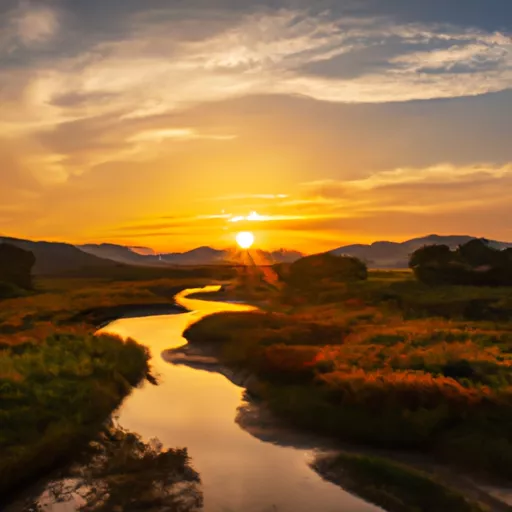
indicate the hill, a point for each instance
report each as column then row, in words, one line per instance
column 56, row 258
column 396, row 254
column 121, row 254
column 199, row 256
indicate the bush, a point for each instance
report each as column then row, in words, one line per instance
column 16, row 266
column 474, row 263
column 311, row 271
column 10, row 291
column 393, row 486
column 288, row 363
column 55, row 395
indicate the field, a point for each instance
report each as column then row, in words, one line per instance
column 386, row 362
column 59, row 382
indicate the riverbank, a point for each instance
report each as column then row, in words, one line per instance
column 56, row 396
column 358, row 368
column 59, row 381
column 366, row 374
column 453, row 491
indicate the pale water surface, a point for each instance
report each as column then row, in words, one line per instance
column 197, row 409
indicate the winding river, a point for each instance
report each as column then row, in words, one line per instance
column 196, row 409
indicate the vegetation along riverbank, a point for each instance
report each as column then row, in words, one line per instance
column 380, row 359
column 58, row 381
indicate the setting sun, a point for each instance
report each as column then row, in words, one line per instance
column 245, row 239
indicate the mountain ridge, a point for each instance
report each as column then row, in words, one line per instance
column 203, row 255
column 385, row 254
column 57, row 257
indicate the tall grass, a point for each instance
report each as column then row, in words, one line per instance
column 59, row 382
column 55, row 394
column 356, row 364
column 395, row 487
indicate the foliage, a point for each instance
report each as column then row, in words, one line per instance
column 54, row 394
column 16, row 266
column 10, row 291
column 393, row 486
column 118, row 471
column 370, row 364
column 475, row 263
column 311, row 271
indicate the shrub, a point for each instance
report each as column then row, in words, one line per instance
column 394, row 486
column 474, row 263
column 16, row 266
column 311, row 271
column 290, row 363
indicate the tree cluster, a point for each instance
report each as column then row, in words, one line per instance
column 475, row 263
column 16, row 266
column 312, row 271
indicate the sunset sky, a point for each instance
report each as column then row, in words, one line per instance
column 176, row 123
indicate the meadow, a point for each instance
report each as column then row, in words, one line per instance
column 386, row 362
column 58, row 381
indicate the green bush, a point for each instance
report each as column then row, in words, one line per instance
column 475, row 263
column 54, row 395
column 16, row 266
column 393, row 486
column 310, row 272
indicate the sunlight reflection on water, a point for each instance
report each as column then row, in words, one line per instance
column 197, row 409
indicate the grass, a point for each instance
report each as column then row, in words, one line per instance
column 58, row 381
column 393, row 486
column 55, row 394
column 366, row 362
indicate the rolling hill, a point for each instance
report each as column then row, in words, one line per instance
column 57, row 258
column 199, row 256
column 396, row 254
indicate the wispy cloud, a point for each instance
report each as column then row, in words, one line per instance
column 244, row 197
column 232, row 102
column 177, row 134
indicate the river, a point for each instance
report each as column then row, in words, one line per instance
column 196, row 409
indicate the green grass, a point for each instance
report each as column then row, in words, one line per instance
column 58, row 381
column 55, row 395
column 395, row 487
column 357, row 365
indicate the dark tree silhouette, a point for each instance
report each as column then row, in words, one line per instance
column 16, row 266
column 474, row 263
column 309, row 272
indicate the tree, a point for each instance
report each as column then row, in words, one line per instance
column 311, row 271
column 16, row 266
column 474, row 263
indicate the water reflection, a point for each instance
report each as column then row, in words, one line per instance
column 197, row 409
column 122, row 473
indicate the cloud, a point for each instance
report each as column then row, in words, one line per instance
column 159, row 104
column 182, row 134
column 443, row 188
column 27, row 25
column 245, row 197
column 36, row 24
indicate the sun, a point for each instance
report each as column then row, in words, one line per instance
column 245, row 239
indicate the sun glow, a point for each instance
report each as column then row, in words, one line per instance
column 245, row 239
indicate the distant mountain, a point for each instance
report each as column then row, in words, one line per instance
column 121, row 254
column 57, row 258
column 396, row 254
column 285, row 256
column 199, row 256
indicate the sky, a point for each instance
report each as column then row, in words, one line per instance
column 175, row 124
